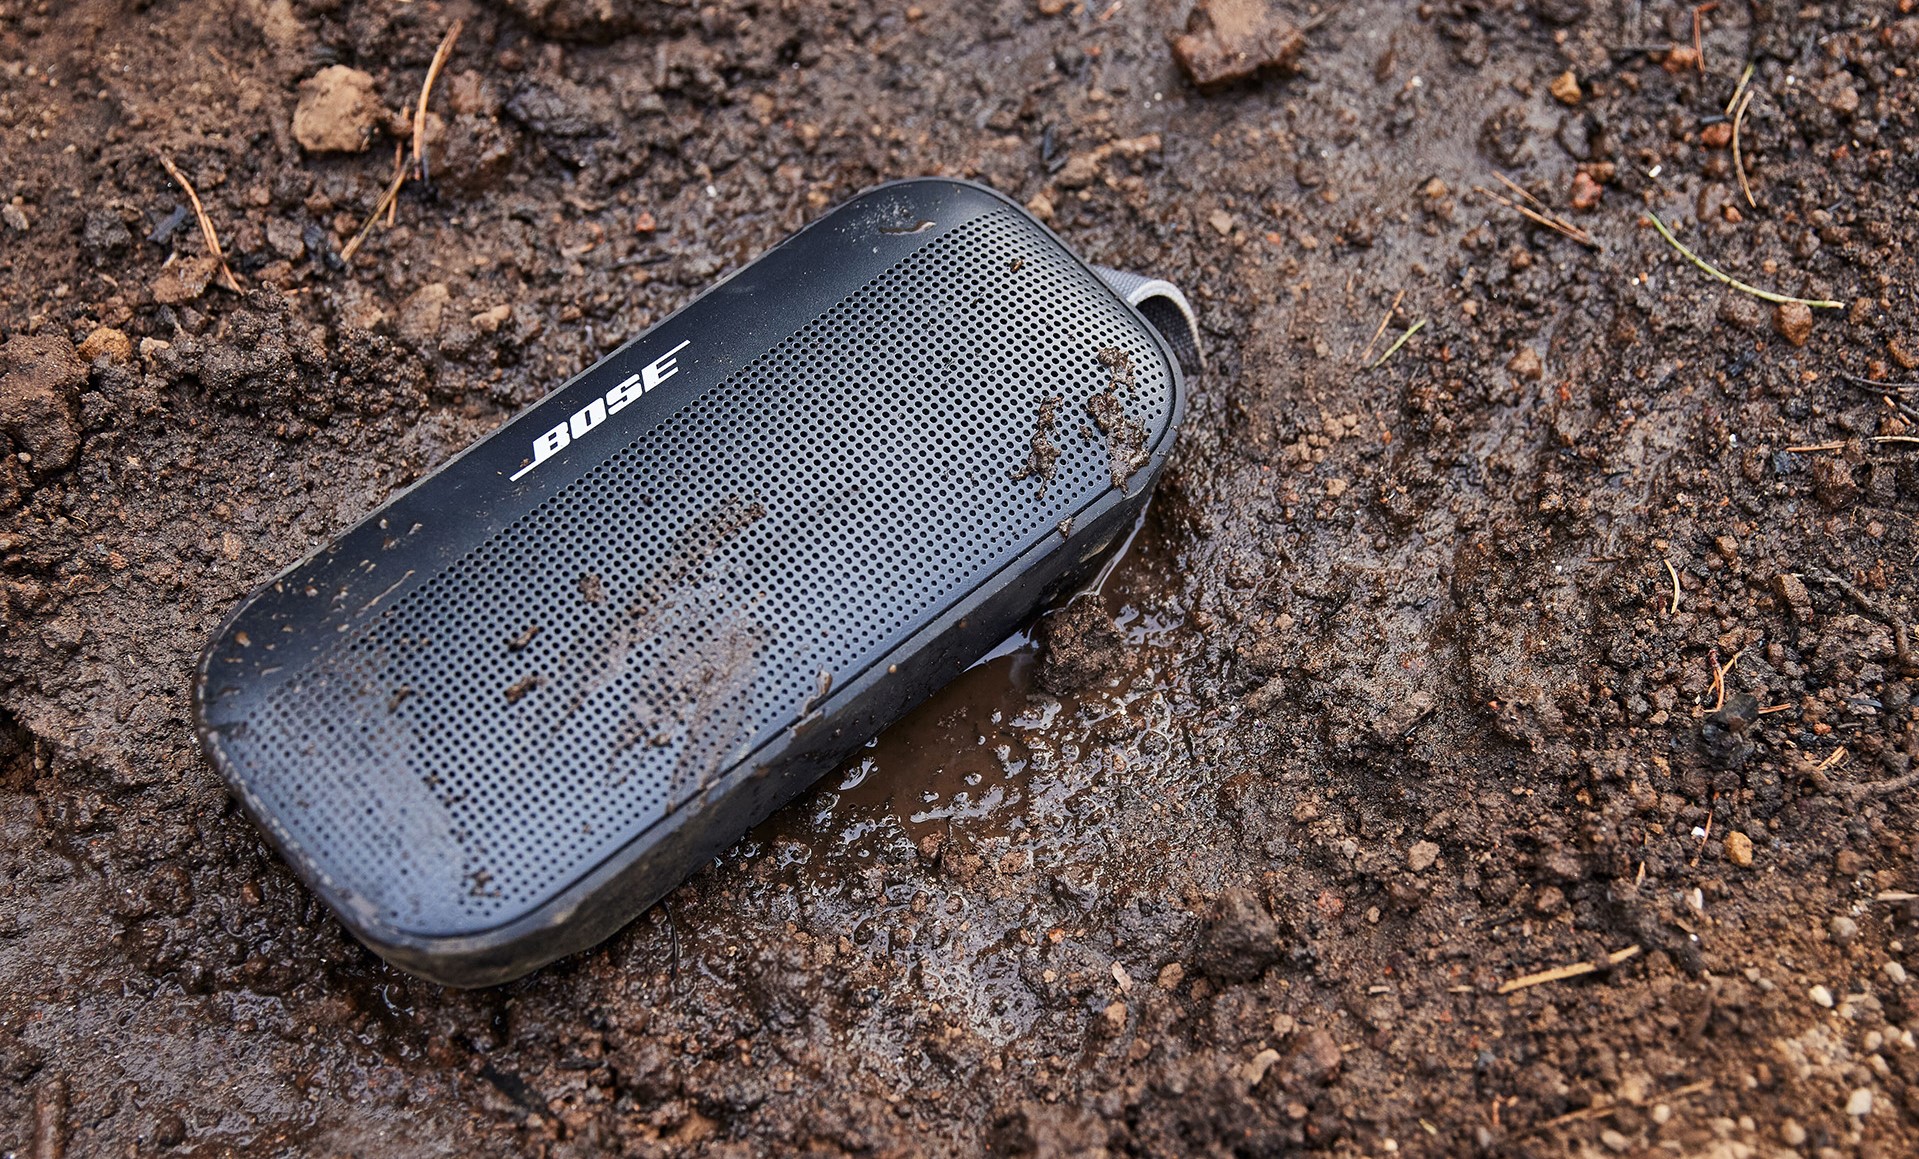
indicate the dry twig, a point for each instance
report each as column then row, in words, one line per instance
column 1561, row 973
column 1735, row 283
column 206, row 223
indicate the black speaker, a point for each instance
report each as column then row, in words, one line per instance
column 510, row 709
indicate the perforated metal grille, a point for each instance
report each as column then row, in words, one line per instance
column 546, row 698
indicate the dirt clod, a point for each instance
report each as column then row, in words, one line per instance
column 338, row 110
column 1241, row 939
column 1234, row 40
column 1080, row 647
column 40, row 383
column 1793, row 320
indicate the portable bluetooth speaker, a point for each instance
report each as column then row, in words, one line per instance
column 513, row 707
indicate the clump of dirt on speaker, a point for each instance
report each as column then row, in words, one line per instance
column 1125, row 435
column 1042, row 459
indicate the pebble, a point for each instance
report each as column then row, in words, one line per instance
column 184, row 281
column 1421, row 856
column 1843, row 930
column 1525, row 364
column 1565, row 88
column 1820, row 996
column 1257, row 1067
column 1171, row 975
column 1585, row 191
column 1615, row 1141
column 1662, row 1113
column 106, row 342
column 337, row 111
column 1739, row 849
column 1895, row 973
column 1793, row 1134
column 1860, row 1104
column 15, row 217
column 1793, row 320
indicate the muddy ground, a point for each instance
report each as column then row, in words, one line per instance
column 1406, row 689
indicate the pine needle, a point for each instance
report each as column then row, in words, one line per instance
column 1739, row 161
column 1735, row 283
column 206, row 223
column 1415, row 328
column 440, row 55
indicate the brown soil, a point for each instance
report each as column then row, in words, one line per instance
column 1397, row 702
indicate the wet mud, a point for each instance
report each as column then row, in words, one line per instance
column 1501, row 744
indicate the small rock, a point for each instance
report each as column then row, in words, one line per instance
column 1739, row 849
column 1241, row 940
column 1172, row 974
column 1820, row 996
column 489, row 321
column 106, row 342
column 1585, row 191
column 1681, row 59
column 1316, row 1057
column 1792, row 1133
column 1894, row 972
column 1792, row 590
column 184, row 281
column 1122, row 979
column 1793, row 320
column 422, row 313
column 1843, row 930
column 1233, row 40
column 1860, row 1104
column 287, row 237
column 1336, row 487
column 1256, row 1068
column 1662, row 1113
column 1041, row 206
column 1615, row 1141
column 15, row 217
column 1832, row 482
column 1565, row 88
column 1115, row 1017
column 104, row 233
column 1716, row 136
column 337, row 112
column 1222, row 221
column 1525, row 364
column 1421, row 856
column 1053, row 7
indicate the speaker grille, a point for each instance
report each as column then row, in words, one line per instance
column 547, row 697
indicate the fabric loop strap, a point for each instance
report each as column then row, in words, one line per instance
column 1161, row 303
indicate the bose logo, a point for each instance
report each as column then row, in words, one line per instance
column 596, row 412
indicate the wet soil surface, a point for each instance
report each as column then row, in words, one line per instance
column 1538, row 645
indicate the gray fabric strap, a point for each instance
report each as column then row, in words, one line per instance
column 1161, row 303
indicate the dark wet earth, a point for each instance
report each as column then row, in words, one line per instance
column 1578, row 632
